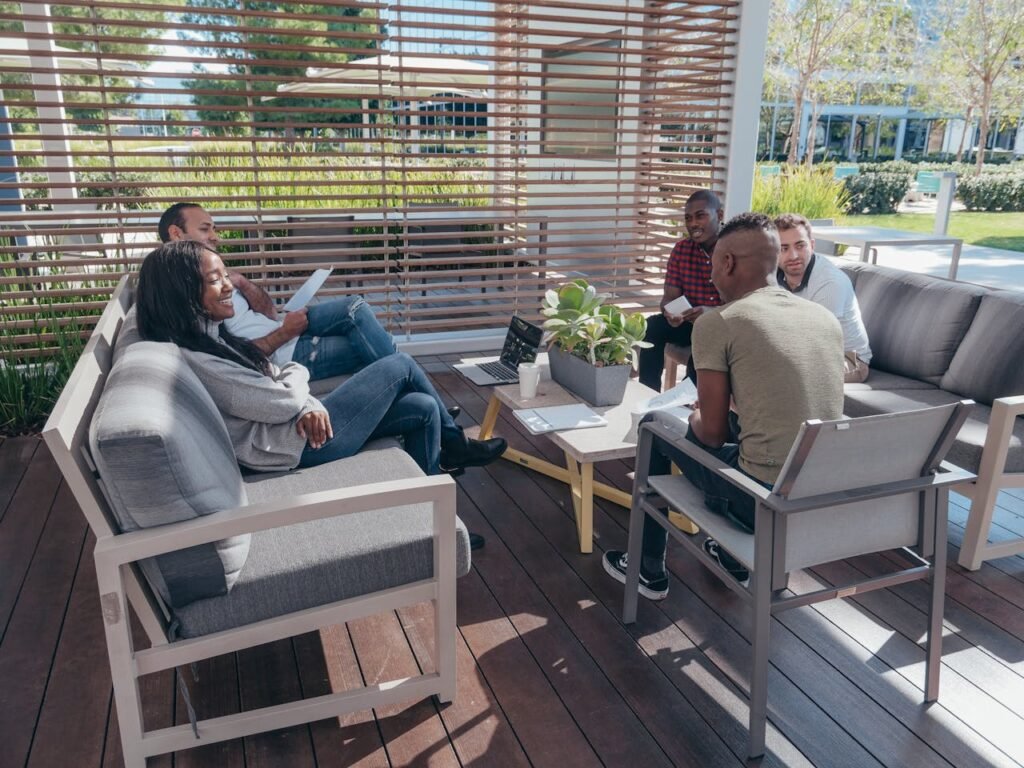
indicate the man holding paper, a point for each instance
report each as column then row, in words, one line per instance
column 688, row 287
column 330, row 338
column 778, row 357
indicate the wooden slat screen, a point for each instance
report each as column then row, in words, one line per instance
column 483, row 151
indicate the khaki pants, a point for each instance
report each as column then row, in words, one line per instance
column 855, row 370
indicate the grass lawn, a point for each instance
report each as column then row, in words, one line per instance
column 995, row 230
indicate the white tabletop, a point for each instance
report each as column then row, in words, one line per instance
column 859, row 234
column 612, row 441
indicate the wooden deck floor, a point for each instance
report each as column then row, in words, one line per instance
column 548, row 676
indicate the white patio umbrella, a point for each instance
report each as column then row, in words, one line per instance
column 14, row 52
column 430, row 72
column 412, row 78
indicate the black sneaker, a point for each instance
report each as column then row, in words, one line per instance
column 653, row 589
column 735, row 568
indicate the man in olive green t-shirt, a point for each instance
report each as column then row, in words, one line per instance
column 778, row 358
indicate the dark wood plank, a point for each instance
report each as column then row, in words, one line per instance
column 476, row 724
column 808, row 727
column 266, row 676
column 612, row 729
column 79, row 695
column 413, row 731
column 15, row 456
column 27, row 649
column 883, row 623
column 214, row 691
column 327, row 664
column 22, row 526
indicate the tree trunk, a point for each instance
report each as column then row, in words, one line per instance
column 794, row 129
column 812, row 131
column 986, row 107
column 963, row 134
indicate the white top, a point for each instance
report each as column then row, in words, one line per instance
column 830, row 287
column 249, row 324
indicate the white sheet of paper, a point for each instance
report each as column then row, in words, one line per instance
column 307, row 291
column 678, row 306
column 553, row 418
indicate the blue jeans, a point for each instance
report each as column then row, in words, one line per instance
column 720, row 496
column 387, row 398
column 343, row 336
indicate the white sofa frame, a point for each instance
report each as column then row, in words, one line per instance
column 992, row 478
column 121, row 586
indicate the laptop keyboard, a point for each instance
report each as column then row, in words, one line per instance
column 500, row 371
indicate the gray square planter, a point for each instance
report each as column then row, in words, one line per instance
column 604, row 385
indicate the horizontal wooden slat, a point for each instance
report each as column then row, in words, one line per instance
column 466, row 207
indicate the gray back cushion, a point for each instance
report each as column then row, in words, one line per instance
column 990, row 361
column 129, row 333
column 164, row 456
column 915, row 322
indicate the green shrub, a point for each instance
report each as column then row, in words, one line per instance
column 876, row 192
column 992, row 192
column 29, row 390
column 812, row 192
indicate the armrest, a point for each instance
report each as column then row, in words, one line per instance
column 673, row 430
column 130, row 547
column 948, row 475
column 1013, row 406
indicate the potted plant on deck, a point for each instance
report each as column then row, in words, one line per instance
column 591, row 345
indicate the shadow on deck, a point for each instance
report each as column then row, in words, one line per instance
column 547, row 673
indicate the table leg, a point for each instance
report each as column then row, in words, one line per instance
column 581, row 483
column 490, row 418
column 955, row 263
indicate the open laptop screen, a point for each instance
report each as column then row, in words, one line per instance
column 521, row 343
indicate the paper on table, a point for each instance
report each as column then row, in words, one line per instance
column 678, row 306
column 557, row 417
column 308, row 290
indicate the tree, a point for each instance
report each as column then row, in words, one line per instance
column 266, row 38
column 978, row 52
column 818, row 51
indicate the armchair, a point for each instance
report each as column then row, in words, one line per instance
column 849, row 487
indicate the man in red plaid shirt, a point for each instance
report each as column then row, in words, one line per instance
column 688, row 274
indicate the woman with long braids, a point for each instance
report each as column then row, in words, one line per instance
column 183, row 296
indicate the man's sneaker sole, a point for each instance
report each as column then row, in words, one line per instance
column 657, row 592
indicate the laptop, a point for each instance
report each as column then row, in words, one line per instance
column 521, row 344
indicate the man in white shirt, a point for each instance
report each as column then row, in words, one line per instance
column 817, row 279
column 329, row 338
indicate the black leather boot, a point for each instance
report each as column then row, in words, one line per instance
column 464, row 452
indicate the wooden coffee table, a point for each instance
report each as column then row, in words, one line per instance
column 582, row 447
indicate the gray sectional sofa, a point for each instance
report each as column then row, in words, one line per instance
column 936, row 341
column 212, row 561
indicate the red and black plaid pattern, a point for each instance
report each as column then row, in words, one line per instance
column 689, row 269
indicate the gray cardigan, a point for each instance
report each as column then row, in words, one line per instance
column 260, row 411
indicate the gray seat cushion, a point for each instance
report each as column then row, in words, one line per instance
column 915, row 322
column 319, row 562
column 164, row 454
column 966, row 450
column 322, row 387
column 990, row 361
column 884, row 380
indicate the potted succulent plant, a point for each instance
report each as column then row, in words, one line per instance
column 591, row 345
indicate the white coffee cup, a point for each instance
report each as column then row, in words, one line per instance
column 529, row 378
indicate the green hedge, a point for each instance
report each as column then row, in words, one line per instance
column 992, row 192
column 876, row 192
